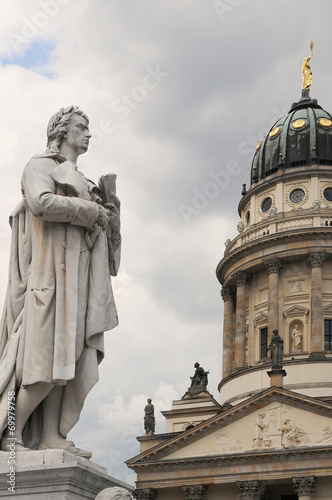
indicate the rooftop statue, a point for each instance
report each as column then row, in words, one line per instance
column 65, row 244
column 200, row 377
column 149, row 418
column 306, row 70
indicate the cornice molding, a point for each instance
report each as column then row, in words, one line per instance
column 269, row 241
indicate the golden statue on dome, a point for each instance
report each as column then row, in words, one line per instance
column 306, row 70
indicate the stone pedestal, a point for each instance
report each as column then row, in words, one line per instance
column 52, row 475
column 277, row 377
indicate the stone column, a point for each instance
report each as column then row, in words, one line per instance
column 304, row 486
column 273, row 267
column 316, row 260
column 146, row 494
column 241, row 279
column 228, row 334
column 252, row 490
column 195, row 492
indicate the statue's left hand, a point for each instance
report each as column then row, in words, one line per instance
column 114, row 214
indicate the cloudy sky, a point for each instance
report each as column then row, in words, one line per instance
column 178, row 93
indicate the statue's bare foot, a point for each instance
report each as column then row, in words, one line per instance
column 65, row 445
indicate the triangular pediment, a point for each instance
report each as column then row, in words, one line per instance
column 261, row 318
column 296, row 310
column 277, row 419
column 327, row 309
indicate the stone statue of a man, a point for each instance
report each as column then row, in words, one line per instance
column 65, row 245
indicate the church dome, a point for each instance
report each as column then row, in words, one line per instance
column 302, row 137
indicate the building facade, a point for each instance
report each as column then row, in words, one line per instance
column 270, row 435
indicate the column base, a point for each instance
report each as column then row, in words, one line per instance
column 52, row 475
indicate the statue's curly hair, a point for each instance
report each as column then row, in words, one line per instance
column 115, row 493
column 58, row 126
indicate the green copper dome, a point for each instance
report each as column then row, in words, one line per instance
column 302, row 137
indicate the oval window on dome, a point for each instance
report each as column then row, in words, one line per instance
column 274, row 132
column 300, row 123
column 266, row 204
column 297, row 195
column 328, row 193
column 325, row 122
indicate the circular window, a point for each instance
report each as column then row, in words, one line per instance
column 325, row 122
column 299, row 124
column 274, row 132
column 266, row 204
column 297, row 195
column 328, row 193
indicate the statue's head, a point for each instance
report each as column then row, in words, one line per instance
column 115, row 493
column 149, row 400
column 196, row 365
column 58, row 126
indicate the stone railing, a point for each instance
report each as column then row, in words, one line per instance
column 277, row 225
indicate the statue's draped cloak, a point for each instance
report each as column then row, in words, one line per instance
column 59, row 299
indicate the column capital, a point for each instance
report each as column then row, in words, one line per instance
column 250, row 490
column 304, row 485
column 240, row 278
column 147, row 494
column 195, row 492
column 227, row 293
column 316, row 259
column 273, row 265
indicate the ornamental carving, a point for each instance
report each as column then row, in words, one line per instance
column 316, row 259
column 304, row 485
column 252, row 490
column 195, row 492
column 147, row 494
column 241, row 278
column 227, row 293
column 273, row 265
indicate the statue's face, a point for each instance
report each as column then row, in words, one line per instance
column 78, row 134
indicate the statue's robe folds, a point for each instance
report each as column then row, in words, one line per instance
column 59, row 299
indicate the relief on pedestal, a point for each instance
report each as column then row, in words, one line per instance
column 228, row 445
column 292, row 435
column 258, row 431
column 296, row 286
column 272, row 431
column 327, row 436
